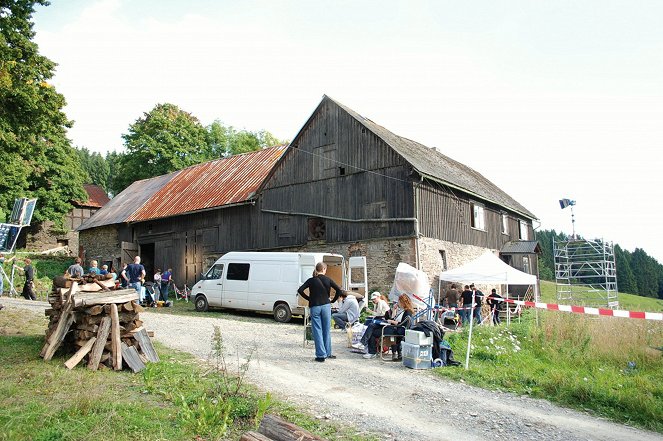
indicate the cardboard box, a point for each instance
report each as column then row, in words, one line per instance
column 417, row 338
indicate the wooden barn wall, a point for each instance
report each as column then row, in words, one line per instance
column 447, row 216
column 340, row 169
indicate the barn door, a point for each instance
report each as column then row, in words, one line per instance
column 129, row 252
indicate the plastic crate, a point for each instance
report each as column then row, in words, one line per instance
column 416, row 363
column 416, row 352
column 417, row 338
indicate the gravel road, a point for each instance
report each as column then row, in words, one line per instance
column 371, row 395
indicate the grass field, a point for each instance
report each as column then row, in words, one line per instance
column 609, row 366
column 178, row 398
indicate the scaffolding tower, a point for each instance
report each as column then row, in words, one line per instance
column 585, row 272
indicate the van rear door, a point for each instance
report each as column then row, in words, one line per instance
column 357, row 278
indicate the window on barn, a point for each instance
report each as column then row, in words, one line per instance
column 524, row 231
column 478, row 216
column 443, row 255
column 505, row 223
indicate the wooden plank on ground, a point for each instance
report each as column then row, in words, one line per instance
column 116, row 343
column 82, row 352
column 146, row 345
column 131, row 358
column 279, row 429
column 98, row 349
column 254, row 436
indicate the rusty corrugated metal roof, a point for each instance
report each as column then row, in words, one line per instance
column 118, row 209
column 96, row 196
column 211, row 184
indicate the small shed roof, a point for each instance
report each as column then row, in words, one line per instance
column 432, row 164
column 96, row 197
column 202, row 186
column 521, row 247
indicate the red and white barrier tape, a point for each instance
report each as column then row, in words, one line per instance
column 588, row 310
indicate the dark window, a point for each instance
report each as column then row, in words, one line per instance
column 215, row 272
column 443, row 255
column 341, row 171
column 238, row 271
column 317, row 228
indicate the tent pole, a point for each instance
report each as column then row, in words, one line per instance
column 508, row 308
column 469, row 337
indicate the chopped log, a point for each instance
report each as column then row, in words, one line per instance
column 102, row 335
column 129, row 306
column 84, row 335
column 90, row 328
column 150, row 334
column 88, row 299
column 254, row 436
column 131, row 358
column 278, row 429
column 137, row 307
column 116, row 344
column 94, row 310
column 107, row 309
column 146, row 345
column 105, row 356
column 82, row 352
column 56, row 338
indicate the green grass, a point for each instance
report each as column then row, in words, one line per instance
column 574, row 360
column 178, row 398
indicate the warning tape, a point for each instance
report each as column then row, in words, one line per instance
column 587, row 310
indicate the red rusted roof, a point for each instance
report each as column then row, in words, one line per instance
column 211, row 184
column 96, row 196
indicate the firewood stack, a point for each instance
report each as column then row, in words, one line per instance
column 99, row 325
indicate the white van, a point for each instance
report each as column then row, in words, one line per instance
column 268, row 281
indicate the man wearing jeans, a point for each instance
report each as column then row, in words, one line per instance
column 134, row 273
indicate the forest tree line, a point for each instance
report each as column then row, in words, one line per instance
column 637, row 272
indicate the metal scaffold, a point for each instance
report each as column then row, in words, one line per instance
column 585, row 272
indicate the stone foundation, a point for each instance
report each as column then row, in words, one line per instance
column 101, row 244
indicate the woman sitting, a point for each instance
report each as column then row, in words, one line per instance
column 396, row 326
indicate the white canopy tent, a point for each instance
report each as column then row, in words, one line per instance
column 490, row 269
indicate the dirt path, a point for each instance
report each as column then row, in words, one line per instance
column 375, row 396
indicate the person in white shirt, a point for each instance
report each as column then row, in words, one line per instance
column 380, row 306
column 348, row 312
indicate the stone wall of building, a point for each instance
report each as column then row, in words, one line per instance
column 382, row 257
column 439, row 255
column 101, row 244
column 43, row 237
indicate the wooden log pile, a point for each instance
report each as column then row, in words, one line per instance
column 100, row 326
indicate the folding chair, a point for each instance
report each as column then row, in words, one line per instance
column 393, row 332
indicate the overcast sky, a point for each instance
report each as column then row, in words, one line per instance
column 548, row 99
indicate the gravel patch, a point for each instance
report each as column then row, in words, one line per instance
column 374, row 396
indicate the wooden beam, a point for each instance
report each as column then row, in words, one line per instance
column 279, row 429
column 146, row 345
column 116, row 347
column 56, row 338
column 254, row 436
column 98, row 349
column 82, row 352
column 131, row 358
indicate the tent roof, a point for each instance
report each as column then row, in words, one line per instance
column 488, row 268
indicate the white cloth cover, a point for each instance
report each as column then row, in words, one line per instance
column 488, row 268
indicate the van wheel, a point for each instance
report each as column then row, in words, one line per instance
column 201, row 304
column 282, row 313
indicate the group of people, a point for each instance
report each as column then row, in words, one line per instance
column 319, row 288
column 468, row 303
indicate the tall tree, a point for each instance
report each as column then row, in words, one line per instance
column 164, row 140
column 625, row 278
column 227, row 141
column 646, row 272
column 96, row 167
column 36, row 159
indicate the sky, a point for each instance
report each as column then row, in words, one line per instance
column 548, row 100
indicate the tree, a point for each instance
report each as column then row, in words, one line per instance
column 625, row 278
column 227, row 141
column 37, row 159
column 95, row 166
column 646, row 272
column 164, row 140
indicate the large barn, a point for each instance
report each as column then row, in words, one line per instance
column 345, row 184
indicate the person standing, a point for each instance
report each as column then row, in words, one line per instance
column 451, row 297
column 75, row 271
column 348, row 312
column 123, row 281
column 157, row 285
column 29, row 286
column 478, row 302
column 465, row 313
column 134, row 274
column 166, row 279
column 495, row 306
column 319, row 287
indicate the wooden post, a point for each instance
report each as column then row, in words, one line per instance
column 116, row 348
column 254, row 436
column 98, row 349
column 146, row 345
column 131, row 358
